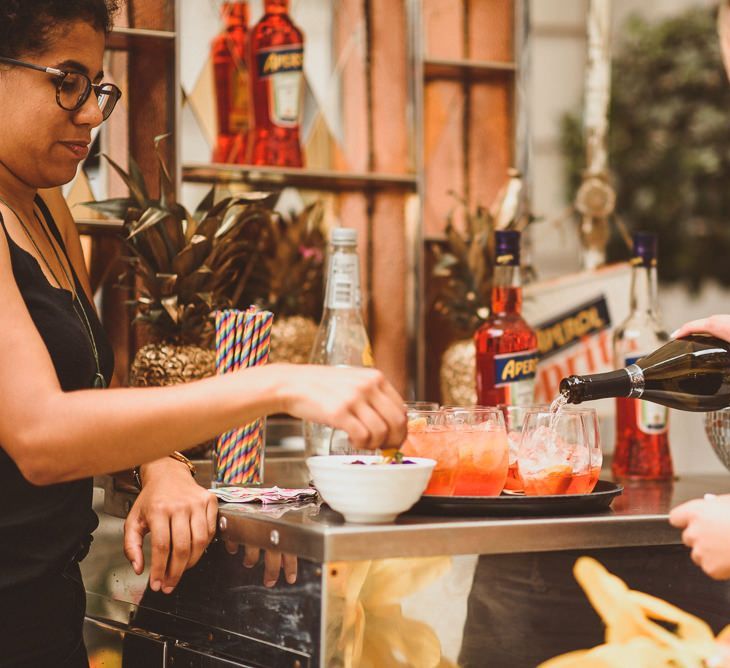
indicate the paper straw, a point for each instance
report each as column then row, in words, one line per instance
column 245, row 342
column 228, row 449
column 242, row 467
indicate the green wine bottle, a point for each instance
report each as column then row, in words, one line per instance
column 690, row 374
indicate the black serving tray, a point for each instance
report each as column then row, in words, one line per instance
column 517, row 504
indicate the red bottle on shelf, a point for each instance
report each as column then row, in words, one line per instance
column 229, row 50
column 506, row 346
column 276, row 58
column 642, row 433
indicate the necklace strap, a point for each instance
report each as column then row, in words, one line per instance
column 99, row 380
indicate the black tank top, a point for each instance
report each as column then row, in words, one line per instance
column 43, row 528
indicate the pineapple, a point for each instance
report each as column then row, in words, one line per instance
column 463, row 269
column 181, row 263
column 286, row 276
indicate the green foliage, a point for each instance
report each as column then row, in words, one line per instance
column 236, row 251
column 463, row 267
column 463, row 264
column 286, row 274
column 669, row 144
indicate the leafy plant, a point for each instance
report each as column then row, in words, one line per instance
column 286, row 274
column 669, row 144
column 185, row 264
column 463, row 265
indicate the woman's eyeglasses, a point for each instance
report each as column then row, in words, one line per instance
column 74, row 88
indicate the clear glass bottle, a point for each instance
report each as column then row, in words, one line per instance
column 642, row 440
column 342, row 339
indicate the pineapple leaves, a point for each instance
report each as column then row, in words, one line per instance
column 192, row 256
column 463, row 265
column 205, row 206
column 117, row 207
column 445, row 262
column 133, row 180
column 149, row 218
column 167, row 187
column 233, row 252
column 170, row 304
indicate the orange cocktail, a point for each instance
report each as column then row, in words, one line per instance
column 481, row 440
column 550, row 480
column 514, row 417
column 588, row 480
column 483, row 462
column 583, row 483
column 554, row 455
column 427, row 437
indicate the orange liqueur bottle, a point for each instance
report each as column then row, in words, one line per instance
column 276, row 57
column 506, row 345
column 231, row 84
column 642, row 438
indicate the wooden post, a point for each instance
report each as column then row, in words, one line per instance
column 390, row 153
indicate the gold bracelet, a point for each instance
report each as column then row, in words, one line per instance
column 180, row 457
column 177, row 456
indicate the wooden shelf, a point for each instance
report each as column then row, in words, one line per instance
column 93, row 226
column 121, row 39
column 442, row 68
column 311, row 179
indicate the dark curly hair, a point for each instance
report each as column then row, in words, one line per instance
column 26, row 25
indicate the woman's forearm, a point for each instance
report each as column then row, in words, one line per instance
column 89, row 432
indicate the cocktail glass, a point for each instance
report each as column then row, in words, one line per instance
column 420, row 406
column 428, row 436
column 481, row 440
column 554, row 453
column 514, row 417
column 590, row 422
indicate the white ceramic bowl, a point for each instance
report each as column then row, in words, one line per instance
column 369, row 493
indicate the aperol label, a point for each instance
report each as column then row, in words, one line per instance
column 516, row 372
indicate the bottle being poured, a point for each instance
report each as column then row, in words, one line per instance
column 341, row 338
column 691, row 374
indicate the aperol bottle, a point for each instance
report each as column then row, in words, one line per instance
column 229, row 50
column 642, row 439
column 506, row 346
column 276, row 59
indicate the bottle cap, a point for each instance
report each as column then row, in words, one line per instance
column 235, row 11
column 645, row 249
column 507, row 247
column 343, row 236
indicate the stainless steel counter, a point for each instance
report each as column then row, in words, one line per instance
column 637, row 517
column 477, row 586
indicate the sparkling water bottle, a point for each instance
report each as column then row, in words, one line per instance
column 341, row 338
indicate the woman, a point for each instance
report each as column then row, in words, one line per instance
column 706, row 522
column 57, row 428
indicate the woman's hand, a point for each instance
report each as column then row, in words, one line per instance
column 358, row 401
column 273, row 562
column 180, row 517
column 717, row 325
column 706, row 524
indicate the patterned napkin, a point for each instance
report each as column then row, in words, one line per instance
column 265, row 495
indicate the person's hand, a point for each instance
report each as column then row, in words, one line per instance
column 706, row 525
column 274, row 562
column 717, row 325
column 358, row 401
column 180, row 517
